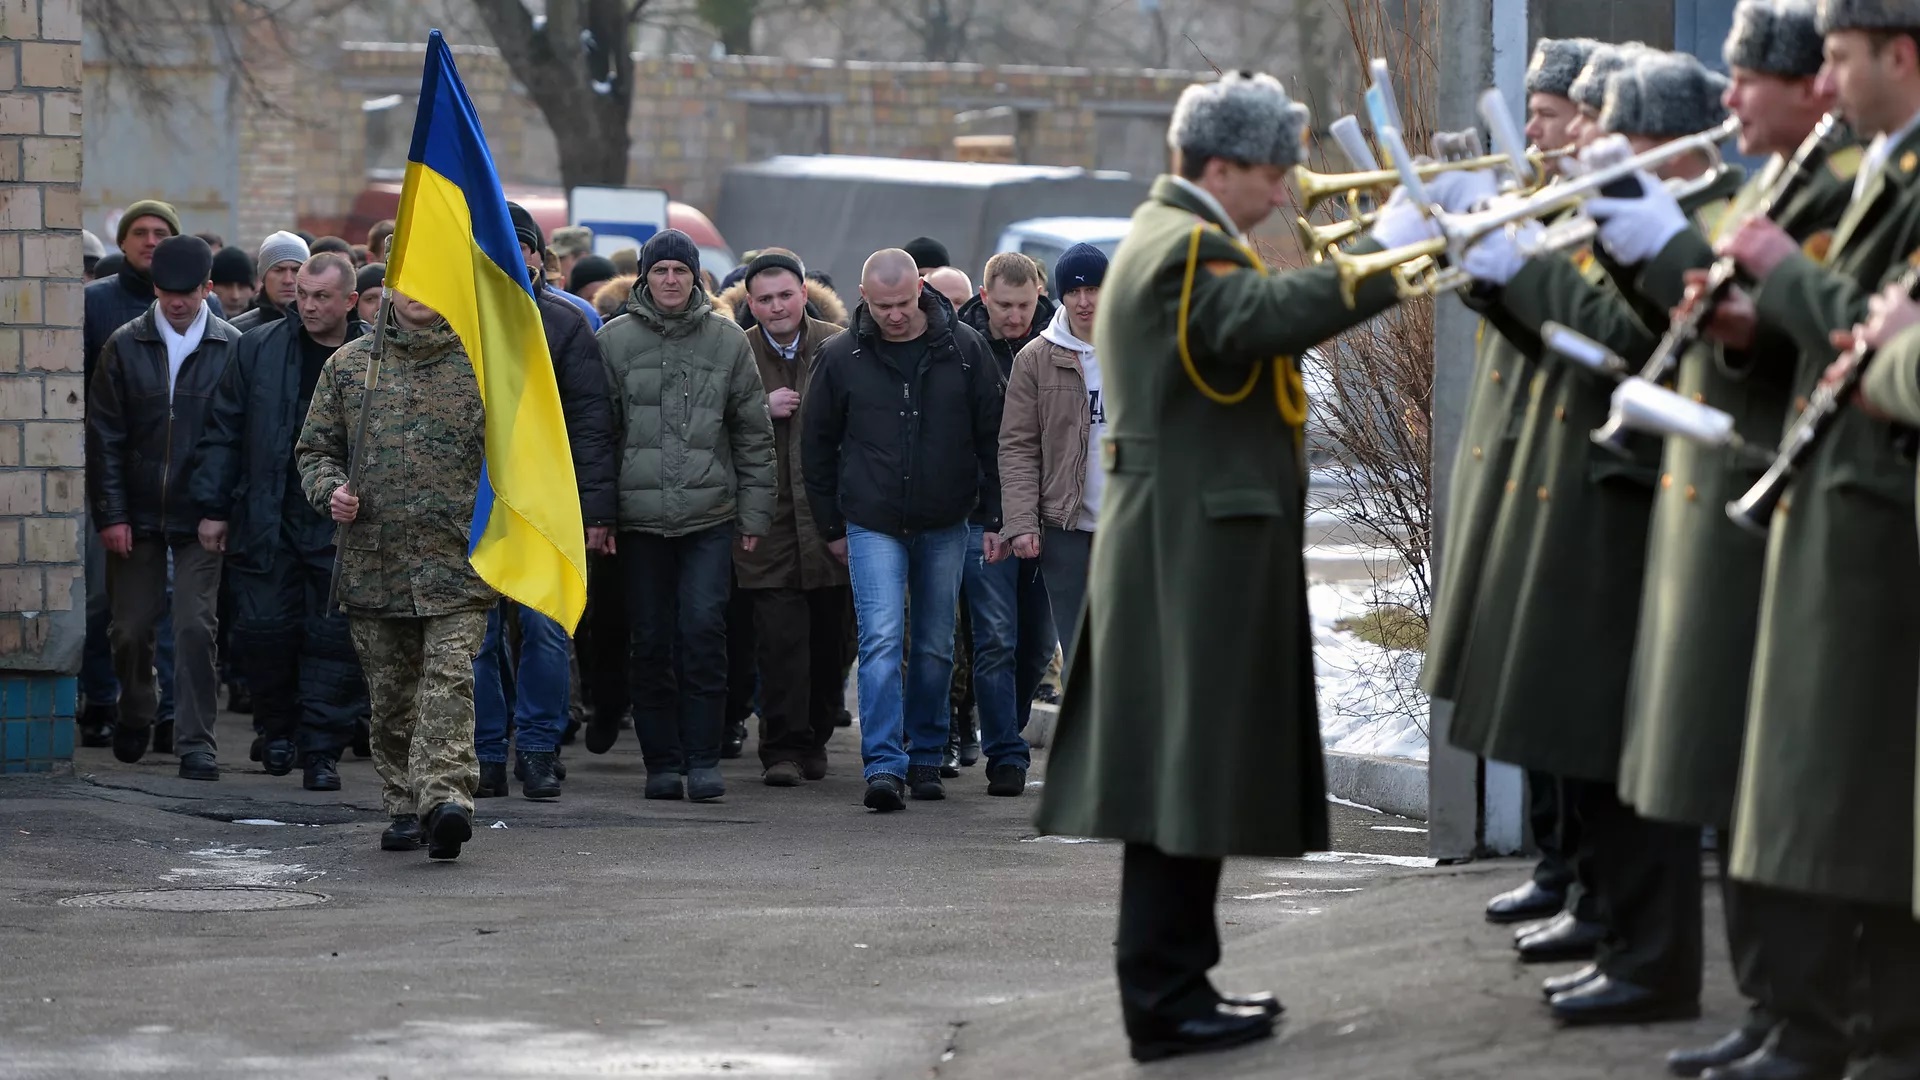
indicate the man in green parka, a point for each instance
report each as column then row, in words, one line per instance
column 1686, row 700
column 1189, row 727
column 1576, row 570
column 1824, row 814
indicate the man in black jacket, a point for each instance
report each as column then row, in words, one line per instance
column 900, row 446
column 541, row 679
column 281, row 257
column 293, row 648
column 151, row 389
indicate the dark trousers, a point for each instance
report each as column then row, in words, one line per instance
column 743, row 674
column 1035, row 639
column 801, row 651
column 677, row 588
column 137, row 585
column 297, row 656
column 1809, row 945
column 1064, row 558
column 601, row 642
column 1168, row 938
column 1572, row 854
column 1649, row 875
column 1552, row 828
column 1747, row 939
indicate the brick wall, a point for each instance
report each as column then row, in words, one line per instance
column 42, row 594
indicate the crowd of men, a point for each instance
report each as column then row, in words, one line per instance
column 750, row 487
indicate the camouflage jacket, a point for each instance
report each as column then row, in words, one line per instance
column 406, row 554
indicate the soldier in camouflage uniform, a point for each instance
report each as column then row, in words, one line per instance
column 418, row 610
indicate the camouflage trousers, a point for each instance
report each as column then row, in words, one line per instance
column 420, row 679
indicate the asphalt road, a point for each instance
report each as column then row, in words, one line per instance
column 781, row 933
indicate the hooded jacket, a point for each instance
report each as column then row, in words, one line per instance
column 903, row 451
column 823, row 305
column 695, row 438
column 1044, row 433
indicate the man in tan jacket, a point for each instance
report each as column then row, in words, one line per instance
column 1049, row 471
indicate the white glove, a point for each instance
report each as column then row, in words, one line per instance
column 1463, row 190
column 1635, row 230
column 1501, row 254
column 1402, row 222
column 1605, row 152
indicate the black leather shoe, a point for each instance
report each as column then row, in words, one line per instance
column 1606, row 1000
column 559, row 767
column 950, row 762
column 735, row 742
column 1527, row 930
column 362, row 740
column 96, row 726
column 163, row 737
column 1560, row 984
column 129, row 743
column 1573, row 940
column 320, row 774
column 493, row 780
column 601, row 734
column 924, row 782
column 198, row 765
column 1226, row 1026
column 1262, row 1000
column 1529, row 901
column 537, row 780
column 1006, row 780
column 845, row 719
column 258, row 749
column 279, row 756
column 405, row 834
column 885, row 793
column 447, row 827
column 970, row 747
column 520, row 767
column 1766, row 1064
column 1738, row 1043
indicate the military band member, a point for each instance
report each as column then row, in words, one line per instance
column 1504, row 364
column 1574, row 572
column 1693, row 653
column 1189, row 736
column 1830, row 725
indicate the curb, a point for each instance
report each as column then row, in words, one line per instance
column 1395, row 785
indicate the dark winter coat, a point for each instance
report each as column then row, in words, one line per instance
column 259, row 313
column 974, row 314
column 793, row 554
column 140, row 438
column 582, row 379
column 245, row 457
column 1190, row 720
column 902, row 452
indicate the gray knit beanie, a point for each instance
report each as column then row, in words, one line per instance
column 1605, row 61
column 1556, row 63
column 282, row 247
column 1241, row 117
column 1663, row 94
column 1775, row 37
column 1869, row 15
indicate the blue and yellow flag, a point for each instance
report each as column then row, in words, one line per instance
column 454, row 250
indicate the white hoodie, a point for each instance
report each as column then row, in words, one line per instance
column 1059, row 332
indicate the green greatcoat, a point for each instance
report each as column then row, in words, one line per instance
column 1827, row 777
column 1700, row 606
column 1561, row 602
column 1893, row 383
column 1189, row 720
column 1504, row 365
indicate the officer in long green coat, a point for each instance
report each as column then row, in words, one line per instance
column 1693, row 653
column 1576, row 572
column 1189, row 727
column 1824, row 816
column 1505, row 359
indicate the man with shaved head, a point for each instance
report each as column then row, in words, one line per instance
column 900, row 447
column 952, row 283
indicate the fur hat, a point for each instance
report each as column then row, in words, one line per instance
column 1589, row 89
column 1663, row 94
column 1241, row 117
column 1868, row 15
column 1777, row 37
column 1556, row 63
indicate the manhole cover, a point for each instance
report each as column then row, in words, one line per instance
column 234, row 898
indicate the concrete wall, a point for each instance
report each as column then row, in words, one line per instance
column 42, row 593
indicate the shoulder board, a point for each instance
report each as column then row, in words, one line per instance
column 1844, row 163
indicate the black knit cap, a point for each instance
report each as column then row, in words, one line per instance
column 774, row 260
column 526, row 229
column 670, row 245
column 233, row 266
column 371, row 276
column 181, row 264
column 589, row 270
column 928, row 253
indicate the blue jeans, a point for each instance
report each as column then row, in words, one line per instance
column 896, row 733
column 540, row 687
column 992, row 592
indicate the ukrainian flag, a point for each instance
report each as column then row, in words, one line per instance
column 455, row 251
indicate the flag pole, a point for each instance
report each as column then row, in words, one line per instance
column 357, row 456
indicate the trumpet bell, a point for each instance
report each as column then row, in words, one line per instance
column 1407, row 263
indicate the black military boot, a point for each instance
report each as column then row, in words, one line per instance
column 320, row 774
column 447, row 827
column 404, row 834
column 950, row 761
column 493, row 780
column 735, row 742
column 279, row 756
column 537, row 780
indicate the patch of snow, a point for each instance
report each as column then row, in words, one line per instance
column 1370, row 702
column 1355, row 805
column 233, row 866
column 1060, row 840
column 1357, row 858
column 1398, row 828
